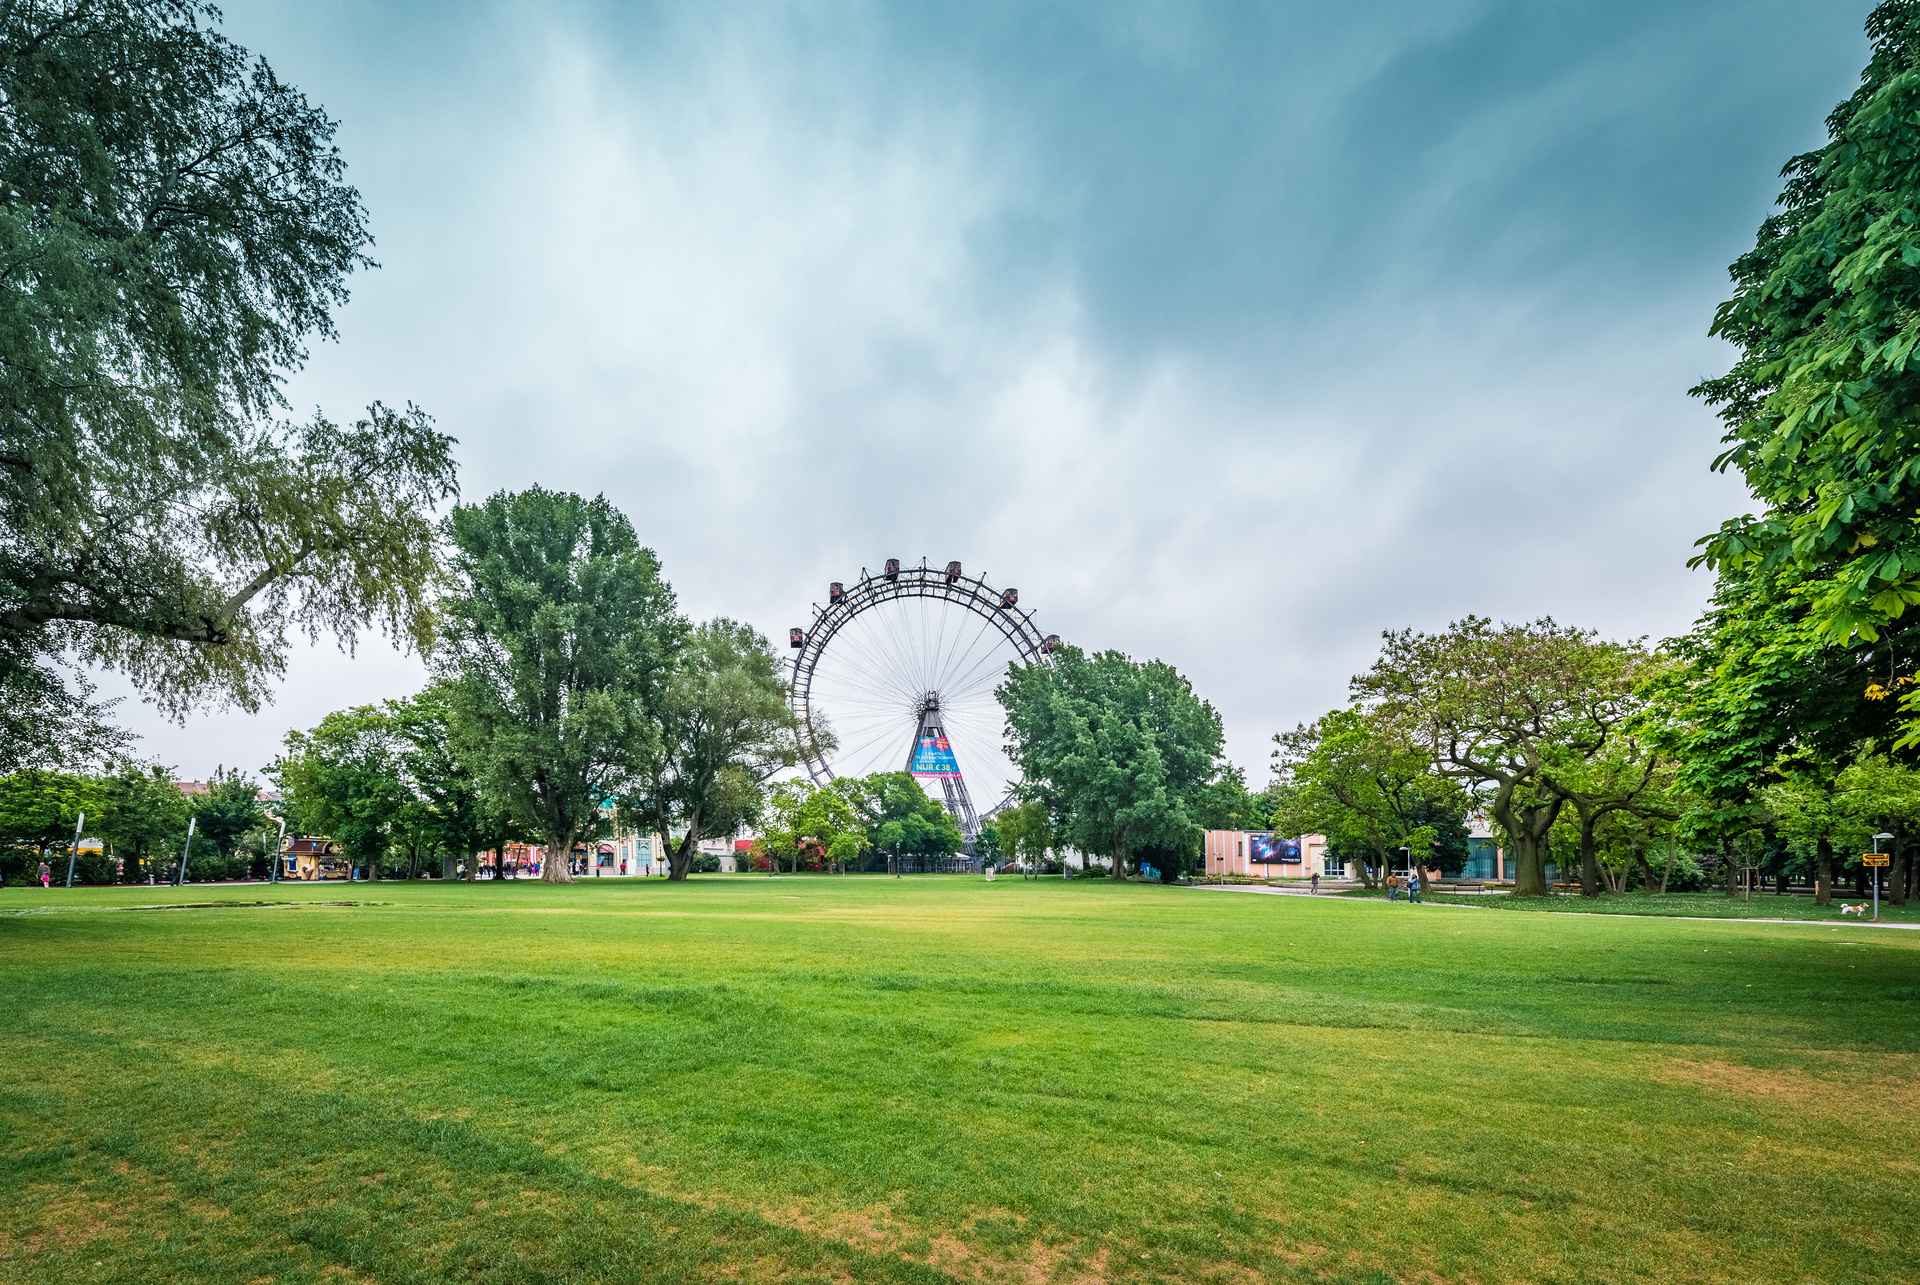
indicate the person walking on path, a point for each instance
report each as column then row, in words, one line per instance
column 1393, row 886
column 1413, row 887
column 46, row 875
column 1314, row 883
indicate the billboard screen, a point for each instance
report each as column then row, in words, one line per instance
column 934, row 757
column 1264, row 849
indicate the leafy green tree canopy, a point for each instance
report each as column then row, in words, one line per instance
column 898, row 815
column 725, row 729
column 39, row 809
column 561, row 638
column 1822, row 407
column 1369, row 793
column 1118, row 750
column 228, row 810
column 1518, row 710
column 176, row 228
column 345, row 780
column 144, row 815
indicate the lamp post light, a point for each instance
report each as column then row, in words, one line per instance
column 1876, row 872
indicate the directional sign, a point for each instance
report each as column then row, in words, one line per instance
column 1877, row 858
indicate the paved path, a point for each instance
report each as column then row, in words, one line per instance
column 1849, row 922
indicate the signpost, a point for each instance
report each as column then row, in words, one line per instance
column 1874, row 860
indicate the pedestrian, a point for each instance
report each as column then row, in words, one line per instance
column 1393, row 886
column 1413, row 887
column 46, row 875
column 1314, row 883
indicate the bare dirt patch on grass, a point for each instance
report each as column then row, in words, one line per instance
column 1846, row 1090
column 876, row 1230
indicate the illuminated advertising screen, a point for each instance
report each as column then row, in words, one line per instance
column 1264, row 849
column 934, row 757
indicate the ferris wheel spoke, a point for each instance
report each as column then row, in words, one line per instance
column 899, row 644
column 875, row 670
column 986, row 671
column 865, row 752
column 882, row 660
column 949, row 670
column 943, row 663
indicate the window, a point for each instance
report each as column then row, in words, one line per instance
column 1332, row 867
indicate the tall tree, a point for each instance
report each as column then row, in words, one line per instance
column 1627, row 775
column 448, row 812
column 1885, row 796
column 560, row 639
column 1119, row 750
column 725, row 729
column 1370, row 794
column 227, row 811
column 899, row 817
column 345, row 780
column 176, row 227
column 144, row 815
column 1518, row 709
column 1225, row 803
column 805, row 818
column 1026, row 833
column 38, row 811
column 1806, row 807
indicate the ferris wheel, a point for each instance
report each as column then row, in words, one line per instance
column 897, row 673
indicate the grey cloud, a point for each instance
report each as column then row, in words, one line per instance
column 1231, row 334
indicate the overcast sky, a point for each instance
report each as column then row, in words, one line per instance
column 1229, row 334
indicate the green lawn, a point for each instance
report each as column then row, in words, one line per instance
column 1713, row 905
column 854, row 1079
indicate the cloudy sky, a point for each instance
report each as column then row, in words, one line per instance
column 1231, row 334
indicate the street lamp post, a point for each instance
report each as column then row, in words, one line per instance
column 180, row 875
column 73, row 853
column 1876, row 872
column 273, row 871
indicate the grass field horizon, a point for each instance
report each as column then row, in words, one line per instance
column 859, row 1078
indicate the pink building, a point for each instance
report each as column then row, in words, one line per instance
column 1260, row 854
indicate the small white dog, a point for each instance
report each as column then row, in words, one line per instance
column 1860, row 909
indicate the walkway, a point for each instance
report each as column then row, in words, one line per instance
column 1590, row 914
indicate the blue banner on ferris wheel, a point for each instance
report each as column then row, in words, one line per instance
column 934, row 758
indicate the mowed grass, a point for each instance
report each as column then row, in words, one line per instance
column 1712, row 905
column 864, row 1079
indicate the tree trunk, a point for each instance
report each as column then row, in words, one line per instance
column 1823, row 873
column 1527, row 829
column 1897, row 872
column 1119, row 870
column 680, row 859
column 1589, row 860
column 554, row 870
column 1726, row 857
